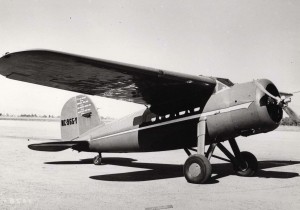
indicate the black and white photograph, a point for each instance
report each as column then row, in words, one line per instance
column 138, row 104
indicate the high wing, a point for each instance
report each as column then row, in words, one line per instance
column 165, row 91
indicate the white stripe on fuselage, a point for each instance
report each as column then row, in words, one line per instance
column 229, row 109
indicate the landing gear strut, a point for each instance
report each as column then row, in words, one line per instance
column 244, row 163
column 197, row 168
column 97, row 159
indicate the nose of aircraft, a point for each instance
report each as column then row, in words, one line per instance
column 281, row 100
column 268, row 108
column 263, row 115
column 257, row 112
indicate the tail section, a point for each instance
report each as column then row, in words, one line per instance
column 78, row 115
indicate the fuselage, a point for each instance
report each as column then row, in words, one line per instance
column 241, row 109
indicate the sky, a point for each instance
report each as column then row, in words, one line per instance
column 236, row 39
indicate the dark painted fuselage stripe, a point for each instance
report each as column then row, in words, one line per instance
column 228, row 109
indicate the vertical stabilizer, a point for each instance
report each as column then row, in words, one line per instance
column 78, row 115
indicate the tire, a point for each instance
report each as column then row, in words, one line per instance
column 97, row 160
column 197, row 169
column 251, row 163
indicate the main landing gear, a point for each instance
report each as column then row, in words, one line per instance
column 244, row 163
column 197, row 168
column 97, row 159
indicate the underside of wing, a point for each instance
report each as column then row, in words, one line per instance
column 60, row 146
column 165, row 91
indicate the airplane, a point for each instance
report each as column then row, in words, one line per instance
column 181, row 111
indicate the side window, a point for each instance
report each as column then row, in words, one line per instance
column 150, row 117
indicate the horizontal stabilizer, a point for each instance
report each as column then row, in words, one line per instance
column 60, row 146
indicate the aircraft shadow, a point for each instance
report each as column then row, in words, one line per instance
column 225, row 169
column 156, row 171
column 107, row 160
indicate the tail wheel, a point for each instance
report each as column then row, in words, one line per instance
column 97, row 160
column 197, row 169
column 250, row 166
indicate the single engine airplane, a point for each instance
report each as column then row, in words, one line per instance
column 182, row 111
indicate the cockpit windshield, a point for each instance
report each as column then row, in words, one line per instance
column 222, row 84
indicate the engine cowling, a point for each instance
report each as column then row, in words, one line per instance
column 244, row 110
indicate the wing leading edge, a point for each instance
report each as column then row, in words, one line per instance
column 165, row 91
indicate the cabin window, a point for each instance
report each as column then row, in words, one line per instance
column 182, row 113
column 167, row 116
column 197, row 109
column 150, row 116
column 153, row 119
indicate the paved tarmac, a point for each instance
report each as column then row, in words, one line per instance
column 69, row 180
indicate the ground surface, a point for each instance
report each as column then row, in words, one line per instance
column 69, row 180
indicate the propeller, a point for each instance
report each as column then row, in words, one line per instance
column 291, row 114
column 282, row 101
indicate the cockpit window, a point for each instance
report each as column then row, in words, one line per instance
column 225, row 81
column 220, row 86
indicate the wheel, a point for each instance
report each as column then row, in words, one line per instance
column 97, row 160
column 197, row 169
column 250, row 163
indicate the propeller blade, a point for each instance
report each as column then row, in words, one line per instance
column 296, row 92
column 287, row 95
column 266, row 92
column 291, row 114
